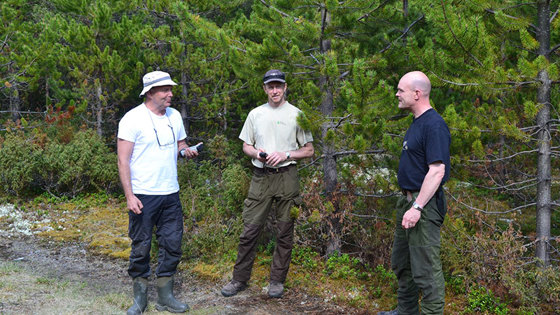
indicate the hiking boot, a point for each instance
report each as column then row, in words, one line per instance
column 233, row 287
column 275, row 289
column 393, row 312
column 140, row 290
column 166, row 301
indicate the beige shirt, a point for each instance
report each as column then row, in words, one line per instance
column 274, row 130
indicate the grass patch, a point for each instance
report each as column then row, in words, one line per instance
column 104, row 227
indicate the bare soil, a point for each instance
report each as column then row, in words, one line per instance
column 93, row 276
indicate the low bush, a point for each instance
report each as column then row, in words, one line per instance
column 19, row 163
column 83, row 164
column 29, row 166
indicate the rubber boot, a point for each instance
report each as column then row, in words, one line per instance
column 166, row 301
column 140, row 290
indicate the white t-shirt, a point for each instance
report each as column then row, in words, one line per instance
column 274, row 130
column 153, row 165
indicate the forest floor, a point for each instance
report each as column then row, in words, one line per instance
column 42, row 275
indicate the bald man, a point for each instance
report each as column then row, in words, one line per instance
column 423, row 169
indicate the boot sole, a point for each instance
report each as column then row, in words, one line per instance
column 276, row 296
column 160, row 308
column 233, row 293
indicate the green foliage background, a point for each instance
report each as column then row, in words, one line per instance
column 70, row 69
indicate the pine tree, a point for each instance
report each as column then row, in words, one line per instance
column 319, row 46
column 499, row 53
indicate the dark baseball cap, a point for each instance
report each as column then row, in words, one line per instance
column 274, row 75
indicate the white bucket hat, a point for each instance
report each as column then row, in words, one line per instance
column 156, row 78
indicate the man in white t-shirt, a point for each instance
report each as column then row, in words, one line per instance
column 274, row 141
column 149, row 139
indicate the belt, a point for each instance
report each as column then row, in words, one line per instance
column 271, row 170
column 408, row 193
column 405, row 192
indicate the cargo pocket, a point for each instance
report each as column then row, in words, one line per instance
column 257, row 188
column 291, row 183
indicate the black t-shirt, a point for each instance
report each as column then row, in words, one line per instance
column 426, row 141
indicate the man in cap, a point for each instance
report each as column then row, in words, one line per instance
column 149, row 139
column 423, row 169
column 274, row 141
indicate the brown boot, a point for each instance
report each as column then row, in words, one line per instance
column 233, row 287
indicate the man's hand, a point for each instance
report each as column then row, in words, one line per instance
column 134, row 204
column 410, row 218
column 275, row 158
column 261, row 155
column 186, row 152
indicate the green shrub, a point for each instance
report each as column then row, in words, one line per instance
column 84, row 164
column 19, row 164
column 342, row 266
column 235, row 186
column 211, row 241
column 212, row 198
column 483, row 300
column 30, row 163
column 305, row 257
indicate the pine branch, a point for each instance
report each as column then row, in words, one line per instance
column 553, row 49
column 455, row 36
column 554, row 15
column 510, row 16
column 4, row 43
column 340, row 120
column 506, row 187
column 341, row 153
column 376, row 195
column 371, row 216
column 493, row 212
column 21, row 112
column 368, row 14
column 513, row 84
column 504, row 158
column 297, row 65
column 281, row 12
column 404, row 32
column 351, row 152
column 311, row 163
column 343, row 75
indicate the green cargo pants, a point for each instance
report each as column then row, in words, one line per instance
column 267, row 187
column 416, row 258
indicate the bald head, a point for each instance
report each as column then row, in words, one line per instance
column 413, row 92
column 417, row 80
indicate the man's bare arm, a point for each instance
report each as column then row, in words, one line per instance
column 124, row 152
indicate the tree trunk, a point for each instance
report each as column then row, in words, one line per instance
column 329, row 162
column 99, row 111
column 14, row 98
column 14, row 103
column 185, row 110
column 544, row 141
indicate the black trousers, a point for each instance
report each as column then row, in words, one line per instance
column 166, row 214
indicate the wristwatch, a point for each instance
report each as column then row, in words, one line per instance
column 287, row 155
column 417, row 206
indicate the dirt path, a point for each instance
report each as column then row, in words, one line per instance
column 42, row 277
